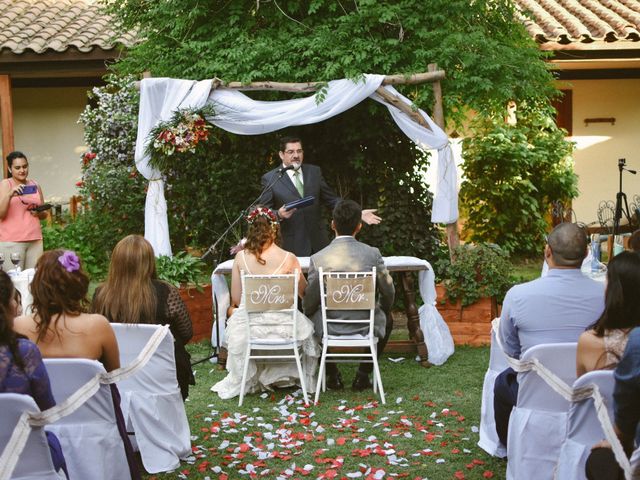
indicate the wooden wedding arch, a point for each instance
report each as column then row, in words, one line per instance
column 433, row 76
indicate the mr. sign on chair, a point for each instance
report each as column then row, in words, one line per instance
column 341, row 292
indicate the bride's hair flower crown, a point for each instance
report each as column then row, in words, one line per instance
column 262, row 212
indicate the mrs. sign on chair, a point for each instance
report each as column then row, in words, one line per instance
column 267, row 293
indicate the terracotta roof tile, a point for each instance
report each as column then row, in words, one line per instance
column 56, row 25
column 581, row 21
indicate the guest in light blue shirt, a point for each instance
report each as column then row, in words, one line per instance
column 553, row 309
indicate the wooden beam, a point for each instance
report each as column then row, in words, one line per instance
column 402, row 106
column 313, row 86
column 426, row 77
column 438, row 112
column 453, row 239
column 6, row 120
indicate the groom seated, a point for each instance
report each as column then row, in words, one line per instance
column 346, row 254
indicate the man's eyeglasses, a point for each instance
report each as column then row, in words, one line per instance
column 291, row 152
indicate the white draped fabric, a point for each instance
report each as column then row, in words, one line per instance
column 237, row 113
column 445, row 201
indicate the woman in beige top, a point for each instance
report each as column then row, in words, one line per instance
column 262, row 255
column 602, row 345
column 59, row 325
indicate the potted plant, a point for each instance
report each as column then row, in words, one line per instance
column 185, row 272
column 473, row 284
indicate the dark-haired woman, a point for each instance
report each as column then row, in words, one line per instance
column 133, row 294
column 20, row 230
column 262, row 255
column 59, row 325
column 21, row 367
column 601, row 346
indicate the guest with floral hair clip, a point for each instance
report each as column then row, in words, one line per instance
column 262, row 255
column 59, row 325
column 61, row 328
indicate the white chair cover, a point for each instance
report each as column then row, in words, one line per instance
column 21, row 282
column 583, row 428
column 537, row 426
column 35, row 462
column 151, row 401
column 489, row 441
column 89, row 436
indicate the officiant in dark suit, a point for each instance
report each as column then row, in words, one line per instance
column 302, row 229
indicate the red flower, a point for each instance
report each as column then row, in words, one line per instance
column 80, row 184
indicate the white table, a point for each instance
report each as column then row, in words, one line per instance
column 417, row 321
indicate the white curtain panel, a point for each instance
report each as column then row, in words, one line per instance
column 239, row 114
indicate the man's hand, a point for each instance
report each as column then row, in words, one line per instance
column 370, row 218
column 284, row 214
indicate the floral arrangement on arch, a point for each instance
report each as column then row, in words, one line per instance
column 187, row 132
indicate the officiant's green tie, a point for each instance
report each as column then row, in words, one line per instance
column 298, row 183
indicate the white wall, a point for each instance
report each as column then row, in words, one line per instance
column 600, row 145
column 46, row 129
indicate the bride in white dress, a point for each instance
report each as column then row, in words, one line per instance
column 263, row 256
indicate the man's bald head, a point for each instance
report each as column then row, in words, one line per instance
column 568, row 244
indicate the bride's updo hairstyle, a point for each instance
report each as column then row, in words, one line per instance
column 264, row 230
column 59, row 287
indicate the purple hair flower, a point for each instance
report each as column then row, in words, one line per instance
column 70, row 261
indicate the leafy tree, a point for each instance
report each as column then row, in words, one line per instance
column 487, row 55
column 513, row 173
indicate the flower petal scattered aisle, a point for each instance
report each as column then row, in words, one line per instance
column 282, row 439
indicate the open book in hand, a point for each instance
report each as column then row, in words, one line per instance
column 303, row 202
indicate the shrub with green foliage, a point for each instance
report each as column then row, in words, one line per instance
column 477, row 271
column 181, row 269
column 111, row 185
column 513, row 174
column 82, row 236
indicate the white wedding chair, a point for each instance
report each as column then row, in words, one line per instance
column 35, row 460
column 537, row 426
column 489, row 441
column 90, row 439
column 344, row 292
column 271, row 293
column 584, row 428
column 151, row 401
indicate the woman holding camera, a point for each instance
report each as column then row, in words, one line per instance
column 20, row 232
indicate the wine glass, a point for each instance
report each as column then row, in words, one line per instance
column 15, row 259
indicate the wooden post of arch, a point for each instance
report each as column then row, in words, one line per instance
column 453, row 239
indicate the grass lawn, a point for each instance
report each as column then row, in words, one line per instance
column 427, row 429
